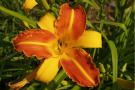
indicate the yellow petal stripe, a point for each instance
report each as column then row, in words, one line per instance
column 51, row 46
column 79, row 67
column 71, row 21
column 89, row 39
column 82, row 70
column 47, row 22
column 48, row 69
column 35, row 43
column 29, row 4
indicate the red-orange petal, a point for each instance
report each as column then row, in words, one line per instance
column 79, row 67
column 71, row 22
column 36, row 42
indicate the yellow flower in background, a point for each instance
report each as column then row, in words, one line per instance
column 29, row 4
column 55, row 44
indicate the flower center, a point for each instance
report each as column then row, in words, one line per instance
column 64, row 46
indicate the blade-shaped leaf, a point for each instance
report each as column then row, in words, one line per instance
column 114, row 59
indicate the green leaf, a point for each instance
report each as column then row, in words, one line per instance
column 114, row 60
column 92, row 3
column 19, row 16
column 112, row 23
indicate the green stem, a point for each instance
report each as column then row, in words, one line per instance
column 55, row 82
column 19, row 16
column 102, row 81
column 54, row 10
column 94, row 52
column 45, row 4
column 76, row 87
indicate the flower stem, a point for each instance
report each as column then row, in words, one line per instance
column 19, row 16
column 45, row 4
column 94, row 53
column 102, row 81
column 55, row 82
column 76, row 87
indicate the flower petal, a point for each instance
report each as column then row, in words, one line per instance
column 38, row 42
column 71, row 22
column 48, row 69
column 89, row 39
column 47, row 22
column 28, row 78
column 80, row 68
column 29, row 4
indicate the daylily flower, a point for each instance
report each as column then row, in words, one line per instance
column 58, row 42
column 29, row 4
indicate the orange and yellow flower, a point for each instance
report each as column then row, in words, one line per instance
column 57, row 41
